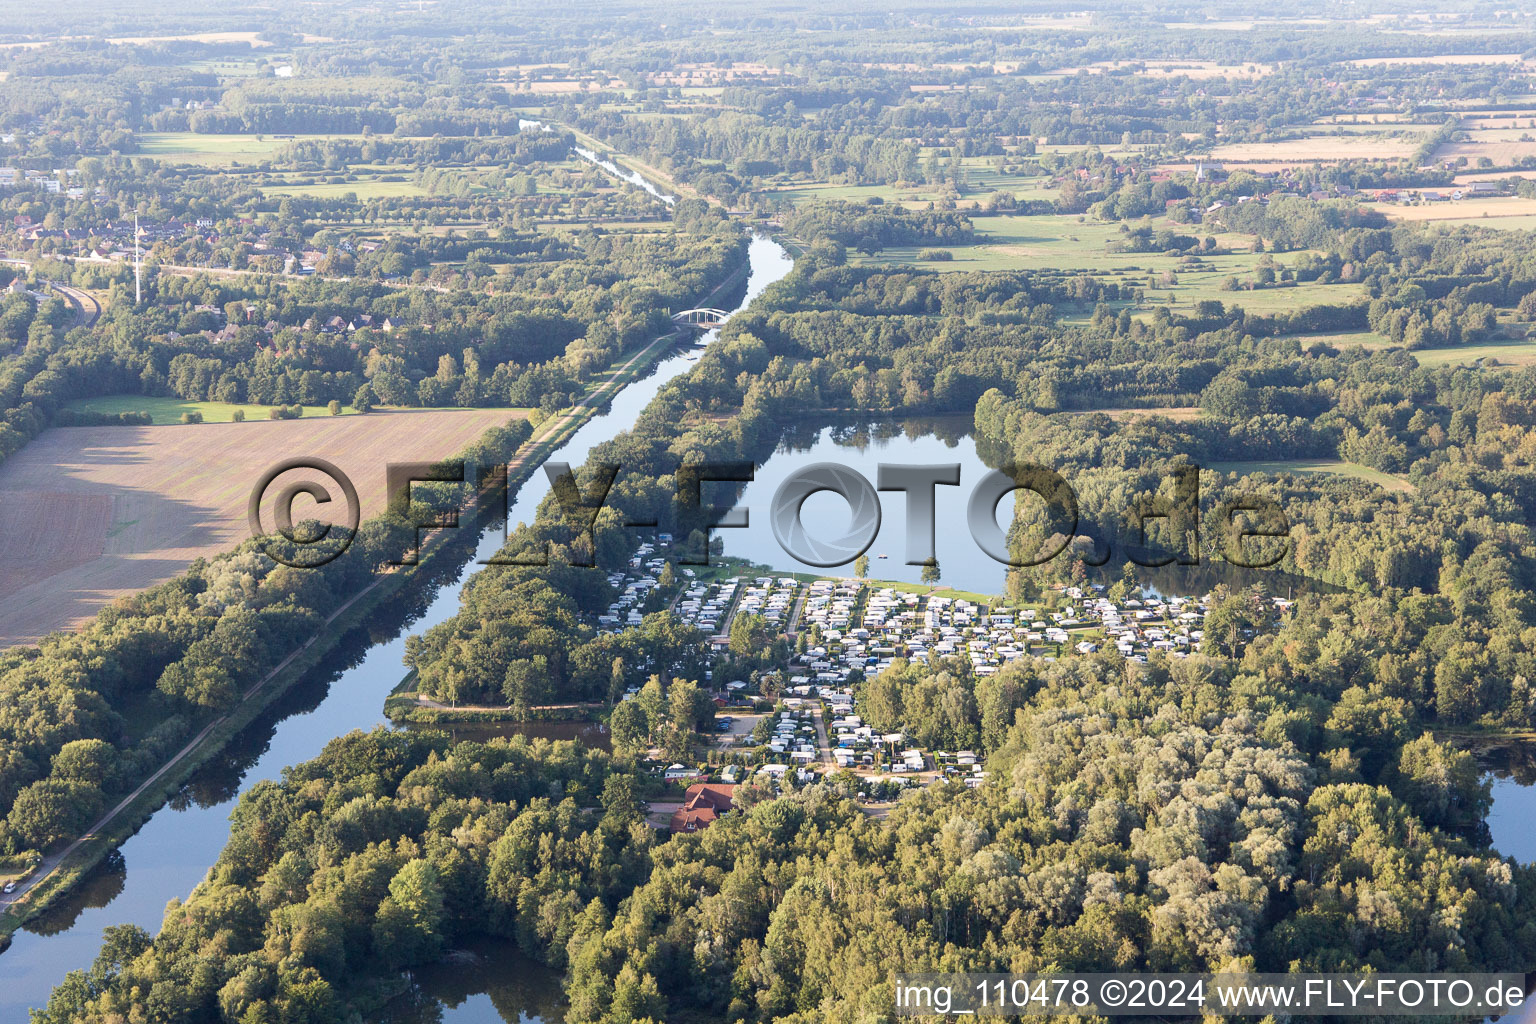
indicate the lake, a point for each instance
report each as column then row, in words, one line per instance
column 941, row 440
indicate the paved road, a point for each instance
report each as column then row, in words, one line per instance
column 87, row 308
column 793, row 629
column 823, row 745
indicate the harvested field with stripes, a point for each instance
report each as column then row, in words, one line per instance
column 95, row 513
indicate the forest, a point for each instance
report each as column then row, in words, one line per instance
column 1166, row 821
column 1289, row 256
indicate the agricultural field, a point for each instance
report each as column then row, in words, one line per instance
column 1314, row 149
column 251, row 38
column 1373, row 118
column 1524, row 222
column 1197, row 70
column 1477, row 119
column 1483, row 211
column 365, row 188
column 1504, row 146
column 96, row 513
column 1467, row 177
column 1442, row 60
column 982, row 178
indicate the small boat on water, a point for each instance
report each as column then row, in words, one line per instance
column 880, row 556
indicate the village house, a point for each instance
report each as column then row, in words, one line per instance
column 702, row 804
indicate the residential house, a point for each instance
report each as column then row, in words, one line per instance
column 702, row 804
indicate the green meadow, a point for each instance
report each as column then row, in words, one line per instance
column 203, row 148
column 364, row 189
column 1509, row 353
column 1067, row 242
column 170, row 410
column 1518, row 352
column 167, row 411
column 1315, row 467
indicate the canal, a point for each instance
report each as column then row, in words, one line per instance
column 174, row 849
column 490, row 982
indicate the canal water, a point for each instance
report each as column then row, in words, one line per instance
column 492, row 983
column 633, row 177
column 1512, row 771
column 177, row 845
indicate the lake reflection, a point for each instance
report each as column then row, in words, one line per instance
column 943, row 440
column 1513, row 770
column 938, row 440
column 483, row 982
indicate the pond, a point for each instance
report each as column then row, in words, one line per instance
column 483, row 982
column 1511, row 767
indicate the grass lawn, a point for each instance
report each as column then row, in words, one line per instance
column 227, row 67
column 1194, row 287
column 365, row 189
column 1050, row 242
column 1346, row 340
column 1503, row 353
column 1508, row 353
column 1316, row 467
column 169, row 410
column 810, row 193
column 982, row 179
column 1062, row 242
column 1177, row 413
column 200, row 148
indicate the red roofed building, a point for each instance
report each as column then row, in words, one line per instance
column 702, row 804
